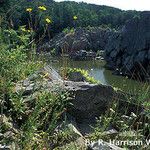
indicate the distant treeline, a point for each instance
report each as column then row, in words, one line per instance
column 62, row 15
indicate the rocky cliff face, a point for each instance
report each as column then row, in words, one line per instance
column 128, row 51
column 80, row 39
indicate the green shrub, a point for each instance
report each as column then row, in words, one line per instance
column 15, row 63
column 36, row 122
column 39, row 128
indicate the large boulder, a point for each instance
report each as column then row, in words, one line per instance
column 129, row 49
column 89, row 100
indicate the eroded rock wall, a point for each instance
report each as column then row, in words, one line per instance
column 129, row 49
column 80, row 39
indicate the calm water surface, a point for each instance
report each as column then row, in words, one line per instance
column 96, row 69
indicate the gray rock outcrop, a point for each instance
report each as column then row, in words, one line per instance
column 80, row 39
column 129, row 49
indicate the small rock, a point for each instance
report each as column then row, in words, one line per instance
column 29, row 89
column 111, row 131
column 33, row 77
column 9, row 134
column 26, row 83
column 74, row 128
column 76, row 76
column 4, row 147
column 1, row 136
column 126, row 117
column 133, row 115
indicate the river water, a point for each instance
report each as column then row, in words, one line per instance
column 97, row 70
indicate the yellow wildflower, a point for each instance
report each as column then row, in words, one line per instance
column 75, row 17
column 42, row 7
column 23, row 29
column 48, row 20
column 45, row 75
column 29, row 10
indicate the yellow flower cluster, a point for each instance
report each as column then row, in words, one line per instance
column 29, row 31
column 48, row 20
column 25, row 30
column 45, row 75
column 75, row 17
column 29, row 10
column 43, row 8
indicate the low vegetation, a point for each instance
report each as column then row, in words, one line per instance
column 129, row 124
column 30, row 121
